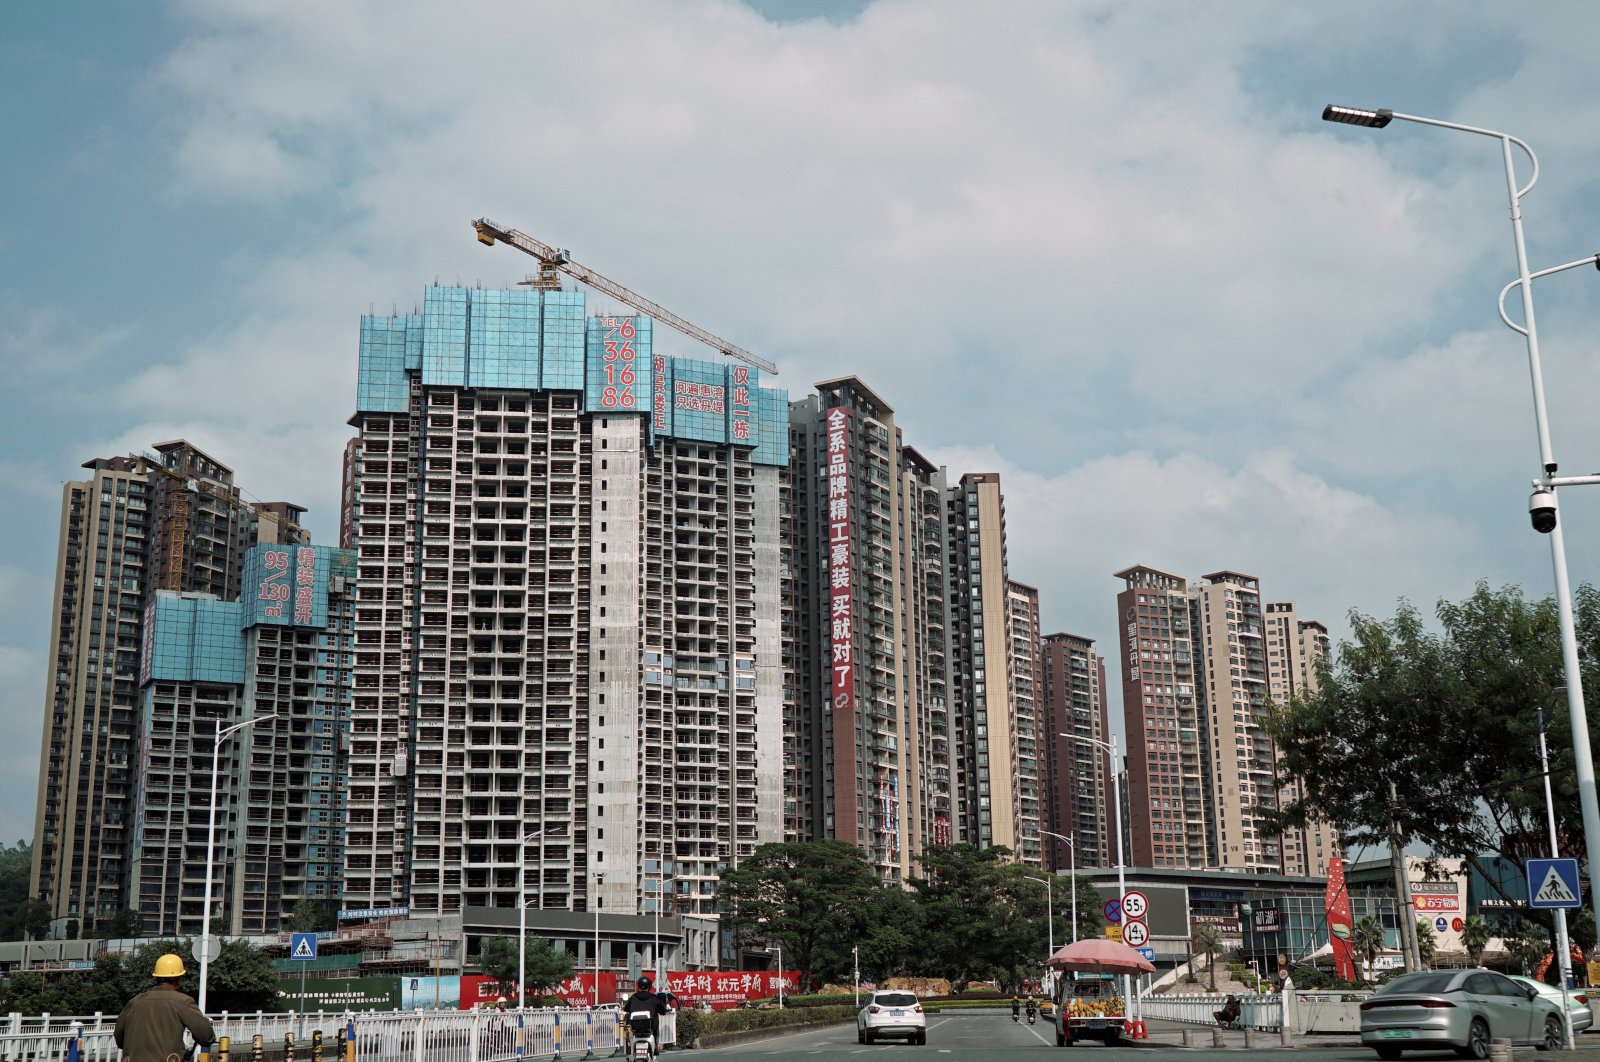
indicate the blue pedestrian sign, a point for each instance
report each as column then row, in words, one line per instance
column 1148, row 953
column 302, row 945
column 1553, row 883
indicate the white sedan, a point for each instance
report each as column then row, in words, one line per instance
column 892, row 1013
column 1577, row 1001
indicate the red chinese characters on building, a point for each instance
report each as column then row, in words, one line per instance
column 659, row 403
column 274, row 588
column 739, row 404
column 617, row 362
column 699, row 397
column 305, row 583
column 842, row 638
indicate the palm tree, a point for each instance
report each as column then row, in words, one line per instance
column 1475, row 938
column 1208, row 938
column 1425, row 942
column 1368, row 939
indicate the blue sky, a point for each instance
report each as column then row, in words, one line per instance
column 1109, row 251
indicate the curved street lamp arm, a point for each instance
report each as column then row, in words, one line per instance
column 1593, row 259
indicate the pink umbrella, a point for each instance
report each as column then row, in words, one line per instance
column 1098, row 955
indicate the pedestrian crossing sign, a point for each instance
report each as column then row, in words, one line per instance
column 1553, row 883
column 302, row 945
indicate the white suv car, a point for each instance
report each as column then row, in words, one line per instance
column 892, row 1013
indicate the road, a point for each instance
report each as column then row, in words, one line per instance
column 995, row 1038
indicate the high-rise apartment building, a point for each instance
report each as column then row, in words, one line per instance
column 994, row 781
column 280, row 655
column 1078, row 788
column 568, row 648
column 1203, row 661
column 1169, row 760
column 172, row 520
column 1295, row 651
column 869, row 720
column 1029, row 737
column 1231, row 667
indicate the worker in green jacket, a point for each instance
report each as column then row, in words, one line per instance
column 150, row 1028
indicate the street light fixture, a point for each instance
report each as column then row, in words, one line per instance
column 1049, row 910
column 779, row 949
column 1072, row 850
column 222, row 734
column 661, row 878
column 522, row 916
column 1543, row 503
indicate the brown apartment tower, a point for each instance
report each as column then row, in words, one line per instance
column 1074, row 681
column 169, row 520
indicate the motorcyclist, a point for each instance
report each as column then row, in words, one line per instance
column 1016, row 1007
column 645, row 1001
column 150, row 1028
column 1033, row 1010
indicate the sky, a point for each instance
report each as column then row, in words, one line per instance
column 1109, row 251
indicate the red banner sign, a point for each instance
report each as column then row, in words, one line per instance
column 842, row 634
column 1336, row 902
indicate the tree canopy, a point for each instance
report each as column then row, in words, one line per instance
column 1448, row 717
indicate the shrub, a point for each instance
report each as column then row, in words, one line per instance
column 743, row 1020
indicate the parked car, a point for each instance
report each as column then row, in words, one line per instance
column 892, row 1013
column 1463, row 1009
column 1577, row 1001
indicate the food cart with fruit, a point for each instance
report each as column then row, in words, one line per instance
column 1092, row 1007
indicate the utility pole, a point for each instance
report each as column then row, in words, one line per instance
column 1405, row 913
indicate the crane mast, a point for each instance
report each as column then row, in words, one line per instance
column 552, row 259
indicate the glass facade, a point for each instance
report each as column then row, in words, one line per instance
column 195, row 639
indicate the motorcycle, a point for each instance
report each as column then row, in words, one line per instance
column 644, row 1040
column 1033, row 1012
column 1016, row 1011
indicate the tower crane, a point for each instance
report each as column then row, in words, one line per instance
column 552, row 259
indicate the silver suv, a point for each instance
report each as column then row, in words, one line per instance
column 892, row 1013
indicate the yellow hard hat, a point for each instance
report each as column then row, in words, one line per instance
column 169, row 966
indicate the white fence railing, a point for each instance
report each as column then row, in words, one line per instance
column 390, row 1036
column 1255, row 1012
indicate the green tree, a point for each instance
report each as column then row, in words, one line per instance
column 1475, row 936
column 16, row 864
column 313, row 916
column 124, row 925
column 1368, row 939
column 1208, row 939
column 1425, row 942
column 969, row 910
column 808, row 897
column 1449, row 719
column 498, row 957
column 1090, row 911
column 547, row 966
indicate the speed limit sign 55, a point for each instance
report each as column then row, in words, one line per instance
column 1135, row 934
column 1134, row 905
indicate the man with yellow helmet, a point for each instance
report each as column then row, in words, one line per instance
column 150, row 1028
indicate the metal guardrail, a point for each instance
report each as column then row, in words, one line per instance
column 1264, row 1012
column 392, row 1036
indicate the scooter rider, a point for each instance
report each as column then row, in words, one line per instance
column 645, row 1001
column 1033, row 1010
column 1016, row 1007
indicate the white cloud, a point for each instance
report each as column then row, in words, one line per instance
column 1107, row 250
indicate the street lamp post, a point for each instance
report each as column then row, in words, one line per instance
column 779, row 949
column 211, row 846
column 599, row 880
column 1049, row 912
column 522, row 917
column 661, row 879
column 1072, row 851
column 1543, row 503
column 1110, row 749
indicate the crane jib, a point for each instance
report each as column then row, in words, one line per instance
column 490, row 231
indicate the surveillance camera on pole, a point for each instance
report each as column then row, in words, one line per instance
column 1542, row 511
